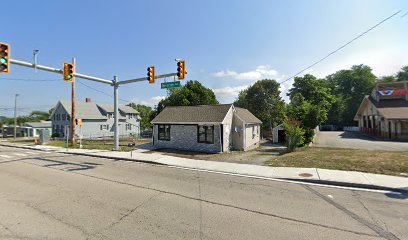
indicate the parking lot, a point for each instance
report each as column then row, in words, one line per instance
column 356, row 140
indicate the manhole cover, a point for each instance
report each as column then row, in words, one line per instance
column 306, row 175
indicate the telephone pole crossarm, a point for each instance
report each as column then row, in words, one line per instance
column 145, row 78
column 59, row 71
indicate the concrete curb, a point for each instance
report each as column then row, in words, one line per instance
column 315, row 181
column 348, row 184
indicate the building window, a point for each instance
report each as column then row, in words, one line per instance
column 104, row 126
column 205, row 134
column 164, row 132
column 128, row 126
column 131, row 116
column 64, row 117
column 109, row 115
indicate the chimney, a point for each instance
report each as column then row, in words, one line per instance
column 88, row 100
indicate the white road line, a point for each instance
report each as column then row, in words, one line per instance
column 5, row 156
column 20, row 154
column 30, row 153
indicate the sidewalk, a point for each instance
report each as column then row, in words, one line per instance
column 313, row 175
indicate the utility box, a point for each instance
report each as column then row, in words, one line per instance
column 44, row 136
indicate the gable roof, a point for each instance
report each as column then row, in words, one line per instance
column 246, row 115
column 84, row 110
column 89, row 110
column 110, row 108
column 389, row 108
column 193, row 114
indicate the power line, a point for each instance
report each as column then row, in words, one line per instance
column 29, row 80
column 343, row 46
column 102, row 92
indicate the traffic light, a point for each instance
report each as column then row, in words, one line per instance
column 78, row 122
column 181, row 69
column 4, row 58
column 150, row 74
column 68, row 73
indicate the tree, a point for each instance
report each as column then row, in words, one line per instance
column 145, row 115
column 310, row 104
column 402, row 75
column 241, row 101
column 191, row 94
column 350, row 86
column 294, row 134
column 264, row 101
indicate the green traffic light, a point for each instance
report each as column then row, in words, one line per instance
column 69, row 76
column 3, row 60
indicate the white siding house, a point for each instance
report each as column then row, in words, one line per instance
column 97, row 120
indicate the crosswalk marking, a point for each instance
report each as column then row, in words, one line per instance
column 5, row 156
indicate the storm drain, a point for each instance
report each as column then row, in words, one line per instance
column 306, row 175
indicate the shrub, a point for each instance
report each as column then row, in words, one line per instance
column 294, row 134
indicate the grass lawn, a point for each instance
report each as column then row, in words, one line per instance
column 381, row 162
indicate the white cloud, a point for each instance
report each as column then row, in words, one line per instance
column 228, row 94
column 261, row 72
column 152, row 102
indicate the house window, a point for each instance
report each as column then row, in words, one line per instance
column 130, row 116
column 164, row 132
column 64, row 117
column 205, row 134
column 104, row 126
column 109, row 115
column 128, row 126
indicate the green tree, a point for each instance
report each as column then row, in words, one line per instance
column 351, row 86
column 264, row 101
column 145, row 115
column 390, row 78
column 241, row 100
column 294, row 134
column 191, row 94
column 402, row 75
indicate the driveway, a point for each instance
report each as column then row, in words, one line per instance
column 357, row 140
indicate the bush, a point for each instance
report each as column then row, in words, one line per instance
column 294, row 134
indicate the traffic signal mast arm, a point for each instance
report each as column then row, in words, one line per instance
column 59, row 71
column 145, row 78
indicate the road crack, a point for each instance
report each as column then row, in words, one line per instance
column 381, row 232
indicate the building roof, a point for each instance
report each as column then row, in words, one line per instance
column 90, row 110
column 391, row 108
column 193, row 114
column 388, row 108
column 110, row 108
column 45, row 124
column 84, row 110
column 246, row 115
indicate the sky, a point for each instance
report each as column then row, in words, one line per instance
column 227, row 45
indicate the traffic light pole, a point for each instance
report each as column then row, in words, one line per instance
column 73, row 110
column 115, row 83
column 116, row 113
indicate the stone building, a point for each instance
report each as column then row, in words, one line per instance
column 206, row 128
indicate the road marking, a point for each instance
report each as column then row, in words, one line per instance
column 20, row 154
column 5, row 156
column 330, row 196
column 30, row 153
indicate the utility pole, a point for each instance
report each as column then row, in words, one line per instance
column 73, row 108
column 115, row 113
column 15, row 116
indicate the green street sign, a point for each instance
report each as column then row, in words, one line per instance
column 170, row 85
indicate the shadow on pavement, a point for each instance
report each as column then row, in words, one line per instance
column 77, row 166
column 398, row 195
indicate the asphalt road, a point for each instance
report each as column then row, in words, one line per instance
column 356, row 140
column 58, row 196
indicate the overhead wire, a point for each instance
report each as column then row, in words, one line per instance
column 342, row 46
